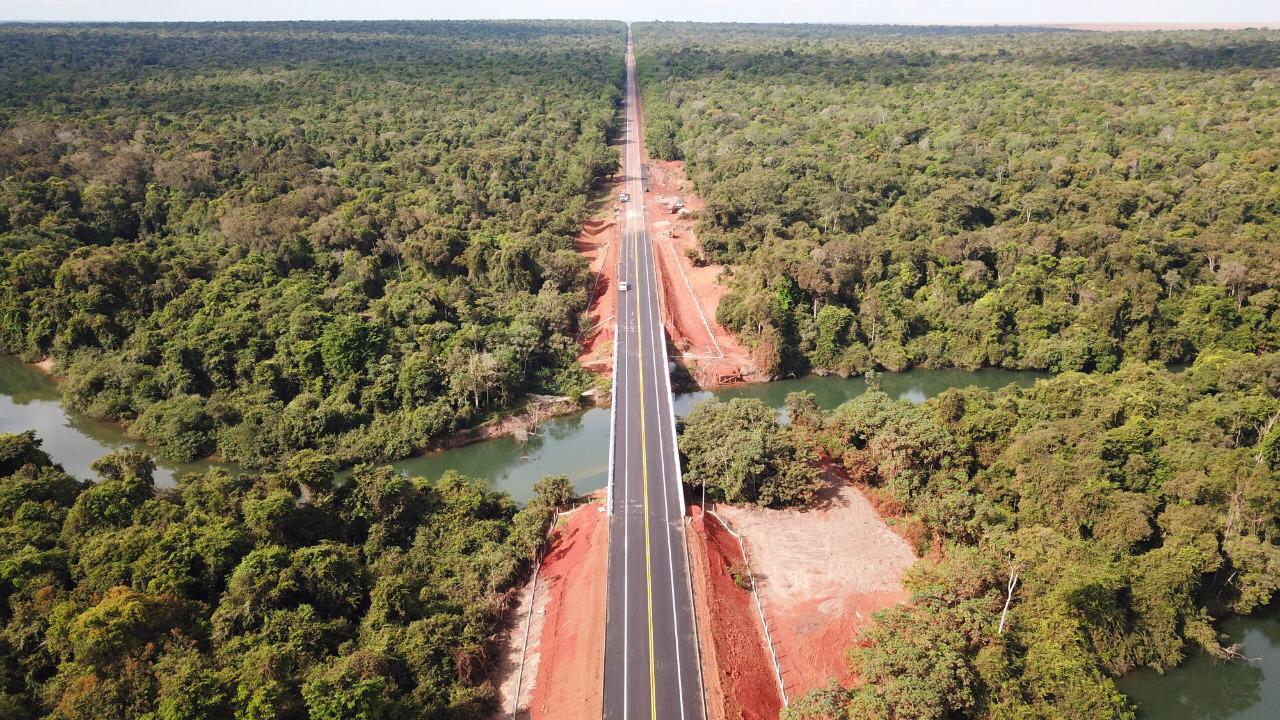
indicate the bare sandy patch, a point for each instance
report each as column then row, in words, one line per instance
column 821, row 574
column 521, row 651
column 549, row 663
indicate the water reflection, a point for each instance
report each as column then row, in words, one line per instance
column 575, row 445
column 29, row 400
column 578, row 445
column 1202, row 688
column 914, row 386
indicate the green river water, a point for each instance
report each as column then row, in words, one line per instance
column 577, row 445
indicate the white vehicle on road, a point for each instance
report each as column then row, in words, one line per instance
column 623, row 286
column 624, row 197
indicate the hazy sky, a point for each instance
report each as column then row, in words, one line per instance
column 852, row 11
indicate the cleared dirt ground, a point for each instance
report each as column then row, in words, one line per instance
column 570, row 675
column 821, row 574
column 690, row 293
column 598, row 243
column 562, row 678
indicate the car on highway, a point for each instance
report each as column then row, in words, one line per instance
column 624, row 197
column 623, row 286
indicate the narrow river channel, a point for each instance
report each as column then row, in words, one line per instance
column 576, row 445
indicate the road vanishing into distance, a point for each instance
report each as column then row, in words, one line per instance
column 651, row 664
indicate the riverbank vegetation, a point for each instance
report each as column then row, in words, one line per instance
column 232, row 596
column 254, row 239
column 890, row 198
column 1128, row 509
column 741, row 454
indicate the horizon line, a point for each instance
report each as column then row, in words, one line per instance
column 1131, row 24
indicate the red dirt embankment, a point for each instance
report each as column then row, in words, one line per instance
column 689, row 294
column 562, row 674
column 570, row 674
column 821, row 574
column 598, row 242
column 739, row 678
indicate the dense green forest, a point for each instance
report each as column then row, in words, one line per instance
column 254, row 239
column 1135, row 507
column 890, row 198
column 278, row 596
column 303, row 246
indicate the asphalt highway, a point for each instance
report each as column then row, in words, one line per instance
column 651, row 661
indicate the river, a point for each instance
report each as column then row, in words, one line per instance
column 29, row 400
column 1202, row 688
column 577, row 445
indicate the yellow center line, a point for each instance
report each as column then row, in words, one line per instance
column 644, row 474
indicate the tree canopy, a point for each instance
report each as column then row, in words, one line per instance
column 274, row 596
column 253, row 239
column 891, row 197
column 1133, row 507
column 741, row 453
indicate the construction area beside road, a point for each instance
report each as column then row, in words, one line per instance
column 779, row 595
column 737, row 667
column 689, row 294
column 821, row 573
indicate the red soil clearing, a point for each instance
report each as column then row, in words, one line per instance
column 570, row 676
column 821, row 574
column 690, row 294
column 739, row 678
